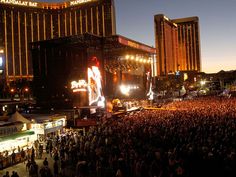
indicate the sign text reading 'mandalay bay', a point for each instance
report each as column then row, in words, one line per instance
column 76, row 2
column 20, row 3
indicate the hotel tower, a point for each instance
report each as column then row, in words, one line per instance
column 177, row 44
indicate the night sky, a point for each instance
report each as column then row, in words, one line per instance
column 217, row 18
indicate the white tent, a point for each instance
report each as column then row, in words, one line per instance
column 17, row 117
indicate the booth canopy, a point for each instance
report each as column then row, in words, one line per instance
column 17, row 117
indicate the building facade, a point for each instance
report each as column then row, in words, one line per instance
column 23, row 22
column 178, row 44
column 166, row 44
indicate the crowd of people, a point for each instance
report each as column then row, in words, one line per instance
column 190, row 138
column 193, row 138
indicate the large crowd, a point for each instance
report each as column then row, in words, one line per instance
column 190, row 138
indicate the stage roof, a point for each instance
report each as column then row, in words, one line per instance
column 111, row 43
column 123, row 41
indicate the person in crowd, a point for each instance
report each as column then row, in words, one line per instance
column 45, row 171
column 55, row 168
column 7, row 174
column 1, row 160
column 40, row 151
column 22, row 155
column 14, row 174
column 28, row 165
column 32, row 154
column 32, row 170
column 62, row 167
column 13, row 157
column 28, row 153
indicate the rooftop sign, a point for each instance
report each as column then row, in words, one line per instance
column 76, row 2
column 38, row 4
column 20, row 3
column 136, row 45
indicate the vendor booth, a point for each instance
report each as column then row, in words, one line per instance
column 47, row 125
column 14, row 138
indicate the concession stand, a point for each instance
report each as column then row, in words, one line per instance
column 22, row 132
column 14, row 137
column 47, row 125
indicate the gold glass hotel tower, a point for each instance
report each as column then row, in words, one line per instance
column 22, row 22
column 178, row 44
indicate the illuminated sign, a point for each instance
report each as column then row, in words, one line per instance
column 53, row 124
column 133, row 44
column 37, row 126
column 76, row 2
column 20, row 3
column 136, row 45
column 80, row 86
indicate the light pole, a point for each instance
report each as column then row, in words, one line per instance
column 25, row 92
column 1, row 60
column 3, row 83
column 12, row 91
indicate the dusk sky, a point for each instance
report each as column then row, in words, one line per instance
column 217, row 18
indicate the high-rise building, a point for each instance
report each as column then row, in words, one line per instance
column 189, row 43
column 178, row 44
column 166, row 44
column 23, row 22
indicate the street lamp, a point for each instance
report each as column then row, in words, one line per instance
column 26, row 89
column 24, row 93
column 12, row 91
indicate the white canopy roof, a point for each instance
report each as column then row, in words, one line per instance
column 18, row 117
